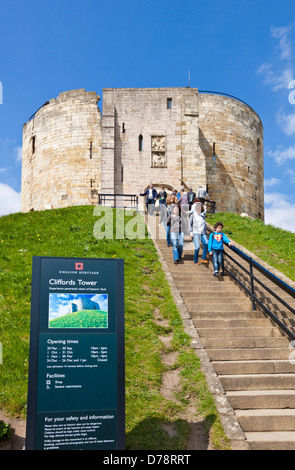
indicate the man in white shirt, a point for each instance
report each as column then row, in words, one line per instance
column 202, row 194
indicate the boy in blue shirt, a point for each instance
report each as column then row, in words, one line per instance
column 215, row 246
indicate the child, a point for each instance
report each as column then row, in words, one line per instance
column 215, row 246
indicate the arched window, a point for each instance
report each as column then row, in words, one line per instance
column 140, row 142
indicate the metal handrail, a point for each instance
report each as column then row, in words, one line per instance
column 255, row 300
column 33, row 115
column 114, row 198
column 210, row 206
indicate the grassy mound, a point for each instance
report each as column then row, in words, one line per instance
column 82, row 319
column 273, row 245
column 69, row 233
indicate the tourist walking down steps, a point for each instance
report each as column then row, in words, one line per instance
column 197, row 226
column 165, row 211
column 176, row 233
column 215, row 246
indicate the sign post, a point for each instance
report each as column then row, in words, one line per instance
column 76, row 392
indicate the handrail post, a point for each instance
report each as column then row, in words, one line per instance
column 252, row 286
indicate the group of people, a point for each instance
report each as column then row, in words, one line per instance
column 183, row 213
column 182, row 196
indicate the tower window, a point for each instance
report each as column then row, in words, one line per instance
column 90, row 150
column 169, row 103
column 140, row 142
column 33, row 142
column 123, row 128
column 259, row 148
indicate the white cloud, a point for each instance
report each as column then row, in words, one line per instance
column 271, row 182
column 286, row 122
column 279, row 211
column 18, row 151
column 280, row 72
column 278, row 79
column 291, row 174
column 282, row 154
column 10, row 200
column 282, row 34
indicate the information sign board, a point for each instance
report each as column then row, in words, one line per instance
column 76, row 367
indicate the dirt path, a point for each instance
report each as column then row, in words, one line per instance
column 18, row 427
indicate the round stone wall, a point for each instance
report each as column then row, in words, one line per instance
column 231, row 139
column 71, row 153
column 61, row 163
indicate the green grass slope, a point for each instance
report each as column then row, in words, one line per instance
column 273, row 245
column 82, row 319
column 69, row 233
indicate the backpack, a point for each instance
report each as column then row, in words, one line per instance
column 191, row 197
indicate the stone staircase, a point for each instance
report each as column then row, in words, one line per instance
column 247, row 350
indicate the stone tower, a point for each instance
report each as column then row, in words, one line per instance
column 61, row 163
column 165, row 136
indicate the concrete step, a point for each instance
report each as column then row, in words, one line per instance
column 259, row 399
column 241, row 342
column 240, row 354
column 201, row 298
column 276, row 440
column 233, row 332
column 200, row 272
column 258, row 382
column 223, row 306
column 196, row 291
column 232, row 323
column 253, row 367
column 196, row 286
column 216, row 307
column 234, row 315
column 206, row 281
column 266, row 420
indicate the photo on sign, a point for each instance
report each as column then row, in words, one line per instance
column 78, row 311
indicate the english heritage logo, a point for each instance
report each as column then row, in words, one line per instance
column 79, row 266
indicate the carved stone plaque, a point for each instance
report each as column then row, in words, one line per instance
column 158, row 151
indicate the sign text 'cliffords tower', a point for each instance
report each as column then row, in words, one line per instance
column 166, row 136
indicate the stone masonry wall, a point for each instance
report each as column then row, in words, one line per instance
column 62, row 153
column 155, row 138
column 235, row 175
column 165, row 136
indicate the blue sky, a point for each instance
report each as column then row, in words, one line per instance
column 243, row 48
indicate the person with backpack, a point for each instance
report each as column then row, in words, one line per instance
column 162, row 195
column 191, row 197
